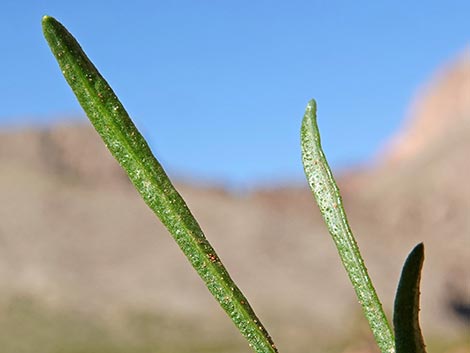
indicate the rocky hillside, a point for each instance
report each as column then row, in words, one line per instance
column 75, row 236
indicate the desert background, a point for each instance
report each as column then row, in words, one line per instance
column 86, row 267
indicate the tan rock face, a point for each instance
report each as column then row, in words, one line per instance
column 442, row 104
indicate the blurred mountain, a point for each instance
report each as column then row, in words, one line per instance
column 443, row 104
column 76, row 238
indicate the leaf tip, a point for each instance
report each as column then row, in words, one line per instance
column 47, row 24
column 309, row 120
column 46, row 19
column 417, row 254
column 419, row 248
column 50, row 24
column 312, row 105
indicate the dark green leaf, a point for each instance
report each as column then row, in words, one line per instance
column 408, row 337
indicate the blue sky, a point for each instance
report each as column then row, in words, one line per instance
column 219, row 87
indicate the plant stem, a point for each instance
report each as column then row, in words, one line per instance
column 127, row 145
column 326, row 192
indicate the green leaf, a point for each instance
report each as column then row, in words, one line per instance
column 408, row 337
column 326, row 193
column 127, row 145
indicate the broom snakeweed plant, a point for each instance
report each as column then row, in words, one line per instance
column 130, row 149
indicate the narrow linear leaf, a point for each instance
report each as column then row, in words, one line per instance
column 328, row 198
column 127, row 145
column 408, row 337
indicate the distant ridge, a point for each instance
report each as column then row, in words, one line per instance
column 441, row 105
